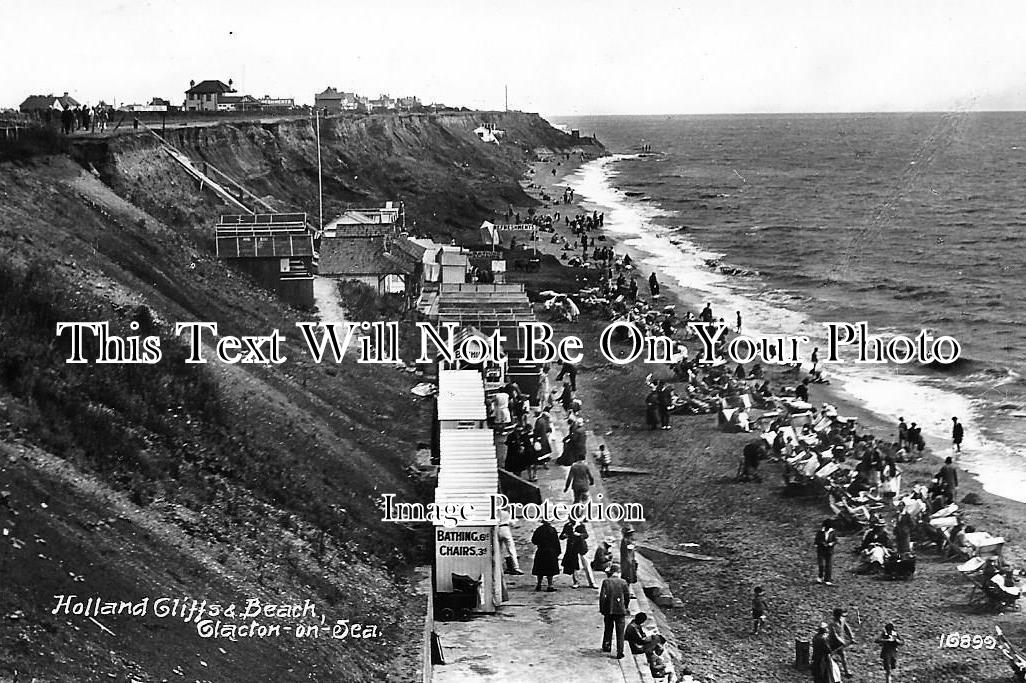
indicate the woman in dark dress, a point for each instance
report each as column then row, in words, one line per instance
column 516, row 459
column 823, row 667
column 652, row 409
column 576, row 545
column 575, row 446
column 546, row 557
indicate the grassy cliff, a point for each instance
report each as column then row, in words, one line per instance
column 214, row 482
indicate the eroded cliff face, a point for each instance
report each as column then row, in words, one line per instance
column 449, row 179
column 214, row 482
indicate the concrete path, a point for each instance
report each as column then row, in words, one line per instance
column 328, row 300
column 541, row 636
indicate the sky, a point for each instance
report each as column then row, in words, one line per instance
column 559, row 58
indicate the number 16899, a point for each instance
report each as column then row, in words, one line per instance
column 967, row 641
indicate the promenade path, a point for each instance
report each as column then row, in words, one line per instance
column 542, row 636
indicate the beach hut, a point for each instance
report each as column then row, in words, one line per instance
column 461, row 400
column 467, row 564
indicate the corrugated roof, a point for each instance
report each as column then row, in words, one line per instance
column 362, row 256
column 461, row 396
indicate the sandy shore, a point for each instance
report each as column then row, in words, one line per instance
column 765, row 538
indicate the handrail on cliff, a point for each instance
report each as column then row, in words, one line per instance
column 202, row 177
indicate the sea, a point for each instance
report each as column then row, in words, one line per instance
column 909, row 222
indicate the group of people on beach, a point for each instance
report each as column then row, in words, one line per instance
column 860, row 473
column 566, row 551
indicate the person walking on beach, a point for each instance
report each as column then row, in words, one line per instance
column 546, row 557
column 824, row 668
column 814, row 360
column 614, row 599
column 841, row 637
column 956, row 434
column 826, row 539
column 758, row 610
column 889, row 643
column 903, row 434
column 653, row 285
column 665, row 394
column 652, row 409
column 738, row 330
column 949, row 475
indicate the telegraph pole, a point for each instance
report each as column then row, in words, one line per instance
column 320, row 182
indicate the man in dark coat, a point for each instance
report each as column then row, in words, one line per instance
column 665, row 393
column 826, row 539
column 653, row 284
column 956, row 434
column 949, row 475
column 546, row 557
column 822, row 658
column 652, row 409
column 614, row 599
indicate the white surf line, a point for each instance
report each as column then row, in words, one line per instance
column 1000, row 469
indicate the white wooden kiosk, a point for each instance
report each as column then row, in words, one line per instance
column 467, row 477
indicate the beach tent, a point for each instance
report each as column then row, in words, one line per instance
column 489, row 234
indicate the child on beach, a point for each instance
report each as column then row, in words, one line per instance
column 605, row 460
column 758, row 610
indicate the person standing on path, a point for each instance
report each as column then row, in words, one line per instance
column 507, row 545
column 889, row 643
column 956, row 434
column 546, row 557
column 814, row 359
column 580, row 480
column 614, row 600
column 949, row 475
column 576, row 535
column 826, row 539
column 628, row 561
column 841, row 638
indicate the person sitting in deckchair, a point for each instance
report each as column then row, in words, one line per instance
column 876, row 545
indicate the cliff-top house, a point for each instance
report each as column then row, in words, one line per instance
column 207, row 95
column 336, row 101
column 41, row 103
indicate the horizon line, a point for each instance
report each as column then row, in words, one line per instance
column 806, row 113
